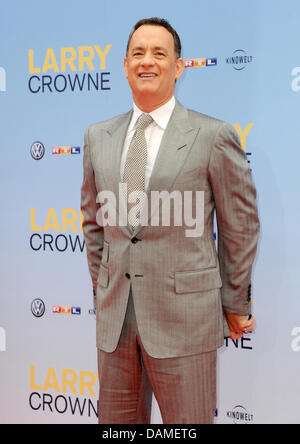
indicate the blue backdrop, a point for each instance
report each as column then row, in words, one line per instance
column 61, row 69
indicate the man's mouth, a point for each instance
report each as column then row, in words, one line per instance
column 147, row 75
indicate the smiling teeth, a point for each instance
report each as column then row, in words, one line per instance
column 147, row 75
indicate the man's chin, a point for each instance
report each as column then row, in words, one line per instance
column 147, row 88
column 146, row 93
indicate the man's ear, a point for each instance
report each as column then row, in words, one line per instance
column 125, row 67
column 179, row 68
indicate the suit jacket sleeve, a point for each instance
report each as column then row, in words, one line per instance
column 237, row 219
column 93, row 233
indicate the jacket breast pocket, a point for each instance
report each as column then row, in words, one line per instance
column 103, row 277
column 197, row 280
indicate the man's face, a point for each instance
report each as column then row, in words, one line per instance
column 151, row 66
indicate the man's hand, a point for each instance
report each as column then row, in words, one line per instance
column 239, row 325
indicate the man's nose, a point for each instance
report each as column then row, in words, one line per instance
column 148, row 59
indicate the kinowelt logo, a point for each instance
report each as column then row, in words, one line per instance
column 50, row 71
column 2, row 79
column 239, row 59
column 240, row 415
column 296, row 79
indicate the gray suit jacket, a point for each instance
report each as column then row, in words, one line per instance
column 181, row 285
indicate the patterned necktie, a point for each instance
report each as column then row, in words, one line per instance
column 135, row 168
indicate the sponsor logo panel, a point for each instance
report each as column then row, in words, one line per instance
column 239, row 59
column 200, row 62
column 68, row 391
column 240, row 415
column 38, row 308
column 69, row 69
column 37, row 150
column 59, row 231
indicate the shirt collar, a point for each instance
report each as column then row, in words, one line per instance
column 160, row 115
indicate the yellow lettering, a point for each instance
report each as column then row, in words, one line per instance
column 82, row 59
column 33, row 385
column 69, row 382
column 102, row 55
column 68, row 55
column 87, row 381
column 33, row 226
column 32, row 69
column 69, row 221
column 50, row 61
column 87, row 384
column 51, row 221
column 243, row 134
column 67, row 60
column 81, row 220
column 51, row 380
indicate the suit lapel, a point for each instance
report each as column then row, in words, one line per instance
column 174, row 148
column 173, row 151
column 111, row 158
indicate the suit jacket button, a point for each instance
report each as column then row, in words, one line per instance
column 127, row 275
column 134, row 240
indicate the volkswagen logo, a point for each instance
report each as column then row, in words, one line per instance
column 37, row 150
column 38, row 308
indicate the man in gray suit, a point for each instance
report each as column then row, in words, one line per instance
column 164, row 295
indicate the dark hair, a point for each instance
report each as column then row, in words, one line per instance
column 156, row 21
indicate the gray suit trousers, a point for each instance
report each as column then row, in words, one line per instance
column 184, row 387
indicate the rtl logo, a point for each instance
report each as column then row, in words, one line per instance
column 65, row 309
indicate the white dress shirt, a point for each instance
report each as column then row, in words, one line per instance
column 153, row 133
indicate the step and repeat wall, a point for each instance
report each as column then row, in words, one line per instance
column 61, row 69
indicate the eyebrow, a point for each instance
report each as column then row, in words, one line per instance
column 156, row 48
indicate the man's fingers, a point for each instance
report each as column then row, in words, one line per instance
column 249, row 326
column 240, row 326
column 235, row 335
column 237, row 332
